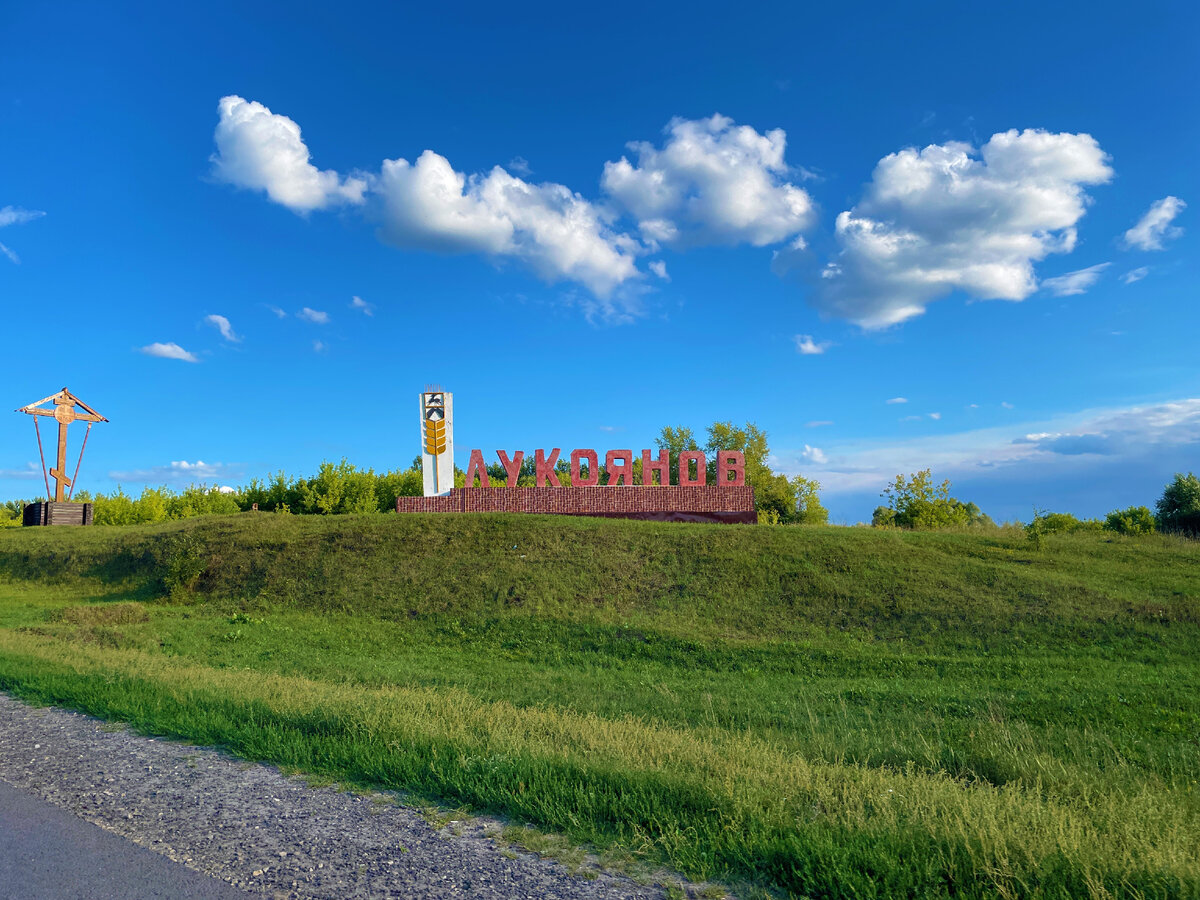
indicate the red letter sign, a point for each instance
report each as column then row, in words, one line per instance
column 731, row 462
column 662, row 467
column 686, row 457
column 476, row 467
column 593, row 476
column 544, row 468
column 619, row 474
column 513, row 468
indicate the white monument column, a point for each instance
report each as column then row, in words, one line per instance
column 437, row 441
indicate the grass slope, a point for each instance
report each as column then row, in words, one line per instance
column 817, row 712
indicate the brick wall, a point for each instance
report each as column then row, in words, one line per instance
column 669, row 503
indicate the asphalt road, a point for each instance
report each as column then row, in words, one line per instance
column 46, row 853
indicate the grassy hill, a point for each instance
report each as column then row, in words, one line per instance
column 821, row 712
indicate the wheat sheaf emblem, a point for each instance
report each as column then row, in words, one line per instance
column 435, row 436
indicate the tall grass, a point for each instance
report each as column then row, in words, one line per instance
column 825, row 712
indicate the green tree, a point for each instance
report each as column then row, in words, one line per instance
column 919, row 503
column 809, row 510
column 676, row 440
column 1179, row 507
column 1134, row 520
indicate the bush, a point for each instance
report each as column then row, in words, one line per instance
column 1063, row 523
column 1134, row 520
column 1179, row 507
column 919, row 503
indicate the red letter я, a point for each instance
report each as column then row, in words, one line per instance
column 686, row 457
column 731, row 462
column 476, row 467
column 512, row 467
column 619, row 465
column 662, row 467
column 544, row 468
column 593, row 475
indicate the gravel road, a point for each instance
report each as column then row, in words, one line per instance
column 264, row 832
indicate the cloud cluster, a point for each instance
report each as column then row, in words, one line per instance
column 1117, row 436
column 948, row 217
column 313, row 316
column 1155, row 226
column 260, row 150
column 711, row 182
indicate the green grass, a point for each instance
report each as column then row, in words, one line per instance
column 818, row 712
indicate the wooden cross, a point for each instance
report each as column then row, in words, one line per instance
column 64, row 413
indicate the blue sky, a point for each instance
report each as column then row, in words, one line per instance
column 592, row 222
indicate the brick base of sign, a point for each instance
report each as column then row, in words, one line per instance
column 733, row 504
column 57, row 514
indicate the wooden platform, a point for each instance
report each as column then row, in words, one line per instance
column 51, row 513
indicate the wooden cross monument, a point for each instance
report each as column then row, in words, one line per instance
column 64, row 413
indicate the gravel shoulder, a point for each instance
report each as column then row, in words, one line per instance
column 268, row 834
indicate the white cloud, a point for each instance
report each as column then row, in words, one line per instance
column 178, row 472
column 806, row 346
column 551, row 229
column 14, row 215
column 319, row 346
column 260, row 150
column 659, row 268
column 222, row 325
column 949, row 218
column 279, row 313
column 813, row 455
column 1005, row 404
column 818, row 423
column 30, row 471
column 169, row 351
column 1155, row 226
column 520, row 165
column 367, row 309
column 1076, row 282
column 935, row 416
column 897, row 400
column 316, row 316
column 1135, row 274
column 712, row 182
column 1053, row 445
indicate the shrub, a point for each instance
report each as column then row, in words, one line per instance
column 1134, row 520
column 1179, row 507
column 919, row 503
column 1063, row 523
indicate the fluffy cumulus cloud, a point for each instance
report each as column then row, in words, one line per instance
column 711, row 182
column 950, row 218
column 260, row 150
column 169, row 350
column 1076, row 282
column 553, row 230
column 367, row 309
column 1155, row 228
